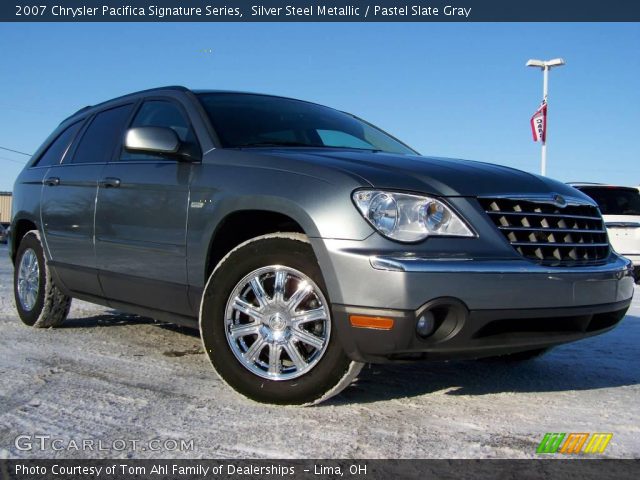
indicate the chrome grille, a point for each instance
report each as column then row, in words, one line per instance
column 548, row 234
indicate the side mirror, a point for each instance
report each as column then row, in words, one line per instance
column 152, row 140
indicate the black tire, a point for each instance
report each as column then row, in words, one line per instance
column 520, row 356
column 334, row 370
column 51, row 306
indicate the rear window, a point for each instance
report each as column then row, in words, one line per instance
column 615, row 200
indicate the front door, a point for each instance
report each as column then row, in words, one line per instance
column 141, row 219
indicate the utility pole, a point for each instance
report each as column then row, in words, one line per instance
column 545, row 66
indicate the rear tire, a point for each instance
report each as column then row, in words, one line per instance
column 39, row 302
column 264, row 354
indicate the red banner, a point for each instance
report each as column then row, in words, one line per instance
column 539, row 123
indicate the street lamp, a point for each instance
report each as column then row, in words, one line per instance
column 545, row 66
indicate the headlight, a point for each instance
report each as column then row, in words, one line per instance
column 409, row 218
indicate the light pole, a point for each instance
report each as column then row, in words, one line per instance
column 545, row 65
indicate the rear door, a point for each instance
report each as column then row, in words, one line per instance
column 68, row 200
column 141, row 218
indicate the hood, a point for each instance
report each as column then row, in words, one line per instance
column 432, row 175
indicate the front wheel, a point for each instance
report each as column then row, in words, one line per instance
column 266, row 324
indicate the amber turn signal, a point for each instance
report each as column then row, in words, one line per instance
column 377, row 323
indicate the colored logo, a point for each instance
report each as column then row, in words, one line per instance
column 573, row 443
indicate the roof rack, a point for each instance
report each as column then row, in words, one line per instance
column 179, row 88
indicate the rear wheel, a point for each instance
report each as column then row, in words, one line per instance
column 39, row 302
column 266, row 324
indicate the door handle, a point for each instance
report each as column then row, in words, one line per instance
column 110, row 182
column 52, row 181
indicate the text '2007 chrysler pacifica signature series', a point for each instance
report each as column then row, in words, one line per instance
column 304, row 241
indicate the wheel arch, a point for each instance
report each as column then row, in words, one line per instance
column 19, row 228
column 238, row 226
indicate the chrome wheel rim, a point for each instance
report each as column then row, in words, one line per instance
column 277, row 323
column 28, row 280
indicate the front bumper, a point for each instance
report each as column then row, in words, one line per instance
column 471, row 334
column 484, row 307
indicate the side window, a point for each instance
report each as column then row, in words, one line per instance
column 160, row 113
column 53, row 155
column 100, row 139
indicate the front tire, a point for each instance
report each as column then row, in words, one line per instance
column 39, row 302
column 266, row 324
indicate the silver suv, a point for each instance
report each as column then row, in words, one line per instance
column 303, row 241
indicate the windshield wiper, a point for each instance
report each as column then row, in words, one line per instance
column 277, row 143
column 287, row 143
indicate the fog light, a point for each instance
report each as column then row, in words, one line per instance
column 426, row 324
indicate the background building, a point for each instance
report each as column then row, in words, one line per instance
column 5, row 206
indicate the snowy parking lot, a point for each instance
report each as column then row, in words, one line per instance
column 107, row 376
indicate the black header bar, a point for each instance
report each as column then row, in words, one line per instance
column 124, row 469
column 319, row 11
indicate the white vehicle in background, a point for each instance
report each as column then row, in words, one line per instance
column 620, row 208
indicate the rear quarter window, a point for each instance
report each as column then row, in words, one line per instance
column 59, row 147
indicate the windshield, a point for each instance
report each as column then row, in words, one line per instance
column 615, row 200
column 249, row 120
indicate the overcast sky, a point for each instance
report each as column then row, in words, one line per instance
column 457, row 90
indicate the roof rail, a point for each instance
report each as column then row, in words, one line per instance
column 179, row 88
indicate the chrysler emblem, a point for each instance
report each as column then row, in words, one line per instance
column 559, row 200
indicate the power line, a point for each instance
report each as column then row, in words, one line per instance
column 15, row 151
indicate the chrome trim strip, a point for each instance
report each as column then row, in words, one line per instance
column 556, row 244
column 469, row 265
column 550, row 198
column 552, row 230
column 538, row 214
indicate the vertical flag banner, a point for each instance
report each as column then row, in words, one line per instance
column 539, row 123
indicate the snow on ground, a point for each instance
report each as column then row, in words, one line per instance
column 108, row 376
